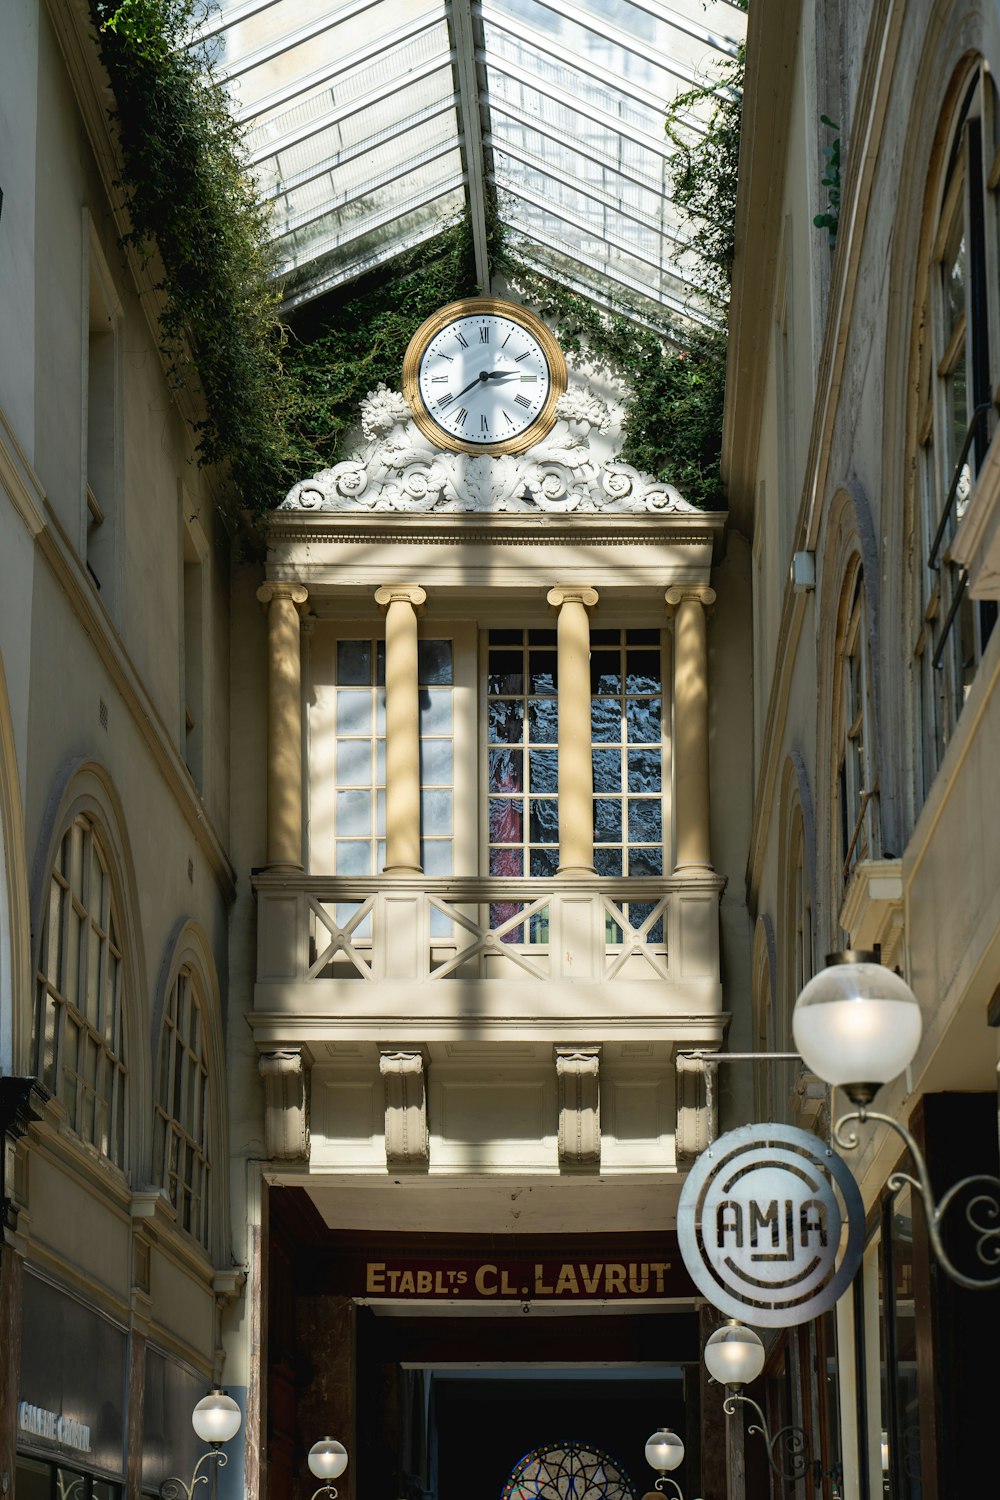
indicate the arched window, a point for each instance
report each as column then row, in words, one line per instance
column 957, row 374
column 80, row 983
column 182, row 1157
column 856, row 787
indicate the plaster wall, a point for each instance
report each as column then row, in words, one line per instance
column 158, row 486
column 18, row 127
column 96, row 675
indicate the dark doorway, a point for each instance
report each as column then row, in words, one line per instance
column 484, row 1426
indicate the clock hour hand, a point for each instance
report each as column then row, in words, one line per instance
column 481, row 379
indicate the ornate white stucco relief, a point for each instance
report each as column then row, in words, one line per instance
column 396, row 468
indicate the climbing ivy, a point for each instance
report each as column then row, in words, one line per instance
column 676, row 375
column 340, row 347
column 278, row 402
column 830, row 218
column 190, row 199
column 673, row 407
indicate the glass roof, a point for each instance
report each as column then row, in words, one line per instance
column 373, row 124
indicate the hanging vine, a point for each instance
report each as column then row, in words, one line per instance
column 190, row 198
column 278, row 403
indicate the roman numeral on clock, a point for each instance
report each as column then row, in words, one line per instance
column 484, row 335
column 518, row 357
column 462, row 340
column 445, row 401
column 509, row 419
column 522, row 400
column 460, row 417
column 484, row 426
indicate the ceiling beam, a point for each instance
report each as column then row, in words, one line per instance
column 335, row 203
column 610, row 274
column 590, row 190
column 348, row 154
column 536, row 85
column 305, row 83
column 609, row 268
column 394, row 86
column 535, row 125
column 472, row 129
column 375, row 221
column 349, row 272
column 605, row 31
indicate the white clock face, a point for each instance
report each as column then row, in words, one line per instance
column 484, row 379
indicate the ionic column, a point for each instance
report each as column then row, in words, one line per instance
column 689, row 604
column 576, row 765
column 402, row 728
column 283, row 602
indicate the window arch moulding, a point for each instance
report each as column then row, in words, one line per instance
column 797, row 921
column 84, row 878
column 189, row 1117
column 765, row 1015
column 15, row 907
column 954, row 489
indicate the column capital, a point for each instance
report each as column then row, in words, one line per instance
column 401, row 593
column 572, row 593
column 679, row 592
column 282, row 589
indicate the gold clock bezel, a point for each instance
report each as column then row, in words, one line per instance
column 469, row 307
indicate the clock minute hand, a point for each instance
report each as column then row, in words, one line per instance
column 482, row 378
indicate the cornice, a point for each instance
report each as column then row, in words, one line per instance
column 498, row 530
column 19, row 480
column 884, row 34
column 767, row 96
column 59, row 554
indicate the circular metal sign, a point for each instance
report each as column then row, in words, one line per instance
column 760, row 1224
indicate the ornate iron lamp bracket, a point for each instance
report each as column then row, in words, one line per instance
column 982, row 1212
column 174, row 1488
column 793, row 1441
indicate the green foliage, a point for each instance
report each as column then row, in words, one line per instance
column 676, row 377
column 830, row 220
column 673, row 415
column 704, row 173
column 341, row 347
column 189, row 195
column 279, row 402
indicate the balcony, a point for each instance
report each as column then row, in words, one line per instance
column 487, row 958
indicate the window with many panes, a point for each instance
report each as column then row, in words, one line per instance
column 181, row 1118
column 359, row 810
column 957, row 372
column 80, row 981
column 522, row 718
column 627, row 740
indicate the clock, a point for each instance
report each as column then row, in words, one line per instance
column 483, row 376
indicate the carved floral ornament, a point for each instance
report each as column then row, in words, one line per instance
column 396, row 468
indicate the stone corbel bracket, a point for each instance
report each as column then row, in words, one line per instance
column 578, row 1075
column 697, row 1105
column 286, row 1103
column 22, row 1101
column 407, row 1138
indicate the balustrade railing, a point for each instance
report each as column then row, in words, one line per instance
column 313, row 929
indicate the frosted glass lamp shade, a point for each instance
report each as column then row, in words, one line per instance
column 216, row 1418
column 734, row 1355
column 857, row 1025
column 664, row 1451
column 328, row 1458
